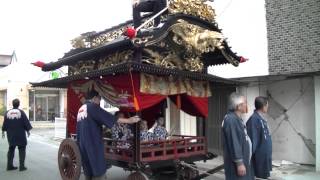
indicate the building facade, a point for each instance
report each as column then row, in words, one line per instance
column 291, row 115
column 40, row 104
column 293, row 31
column 292, row 84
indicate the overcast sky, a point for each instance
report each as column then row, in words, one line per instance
column 42, row 29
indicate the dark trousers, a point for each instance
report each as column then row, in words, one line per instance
column 154, row 6
column 22, row 155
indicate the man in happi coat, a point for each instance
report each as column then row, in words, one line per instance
column 90, row 119
column 259, row 134
column 236, row 143
column 16, row 124
column 145, row 135
column 160, row 132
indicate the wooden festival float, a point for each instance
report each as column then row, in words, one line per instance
column 138, row 73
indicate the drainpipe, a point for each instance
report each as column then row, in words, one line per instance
column 317, row 118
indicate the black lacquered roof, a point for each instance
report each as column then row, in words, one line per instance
column 123, row 43
column 124, row 68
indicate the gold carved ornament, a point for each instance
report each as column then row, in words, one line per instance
column 169, row 85
column 90, row 40
column 194, row 64
column 195, row 38
column 197, row 8
column 114, row 59
column 168, row 60
column 102, row 63
column 82, row 67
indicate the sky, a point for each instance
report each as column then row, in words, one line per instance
column 42, row 29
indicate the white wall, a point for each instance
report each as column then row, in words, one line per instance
column 182, row 124
column 18, row 90
column 62, row 99
column 188, row 124
column 298, row 95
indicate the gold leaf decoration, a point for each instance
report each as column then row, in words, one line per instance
column 116, row 58
column 194, row 64
column 197, row 8
column 195, row 38
column 82, row 67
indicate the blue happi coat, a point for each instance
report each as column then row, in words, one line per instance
column 146, row 136
column 90, row 119
column 236, row 147
column 16, row 124
column 261, row 145
column 160, row 133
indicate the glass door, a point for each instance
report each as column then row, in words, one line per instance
column 53, row 107
column 41, row 108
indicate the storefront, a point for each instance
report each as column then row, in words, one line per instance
column 45, row 105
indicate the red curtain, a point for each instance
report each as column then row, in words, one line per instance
column 73, row 105
column 124, row 83
column 195, row 106
column 127, row 86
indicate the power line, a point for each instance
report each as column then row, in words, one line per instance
column 226, row 7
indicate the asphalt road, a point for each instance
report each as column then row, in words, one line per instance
column 42, row 164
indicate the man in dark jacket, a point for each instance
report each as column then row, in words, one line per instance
column 90, row 119
column 259, row 133
column 236, row 143
column 16, row 124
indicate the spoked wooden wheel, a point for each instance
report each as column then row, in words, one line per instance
column 137, row 176
column 69, row 160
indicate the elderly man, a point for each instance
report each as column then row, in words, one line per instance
column 237, row 144
column 90, row 119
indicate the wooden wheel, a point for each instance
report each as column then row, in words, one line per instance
column 137, row 176
column 69, row 160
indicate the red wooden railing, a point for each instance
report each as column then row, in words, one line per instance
column 172, row 149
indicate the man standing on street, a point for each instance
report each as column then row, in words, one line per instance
column 90, row 119
column 260, row 136
column 236, row 143
column 16, row 124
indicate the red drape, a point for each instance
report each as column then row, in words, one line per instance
column 122, row 83
column 73, row 105
column 149, row 104
column 195, row 106
column 123, row 86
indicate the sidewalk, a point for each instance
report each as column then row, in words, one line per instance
column 42, row 124
column 286, row 171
